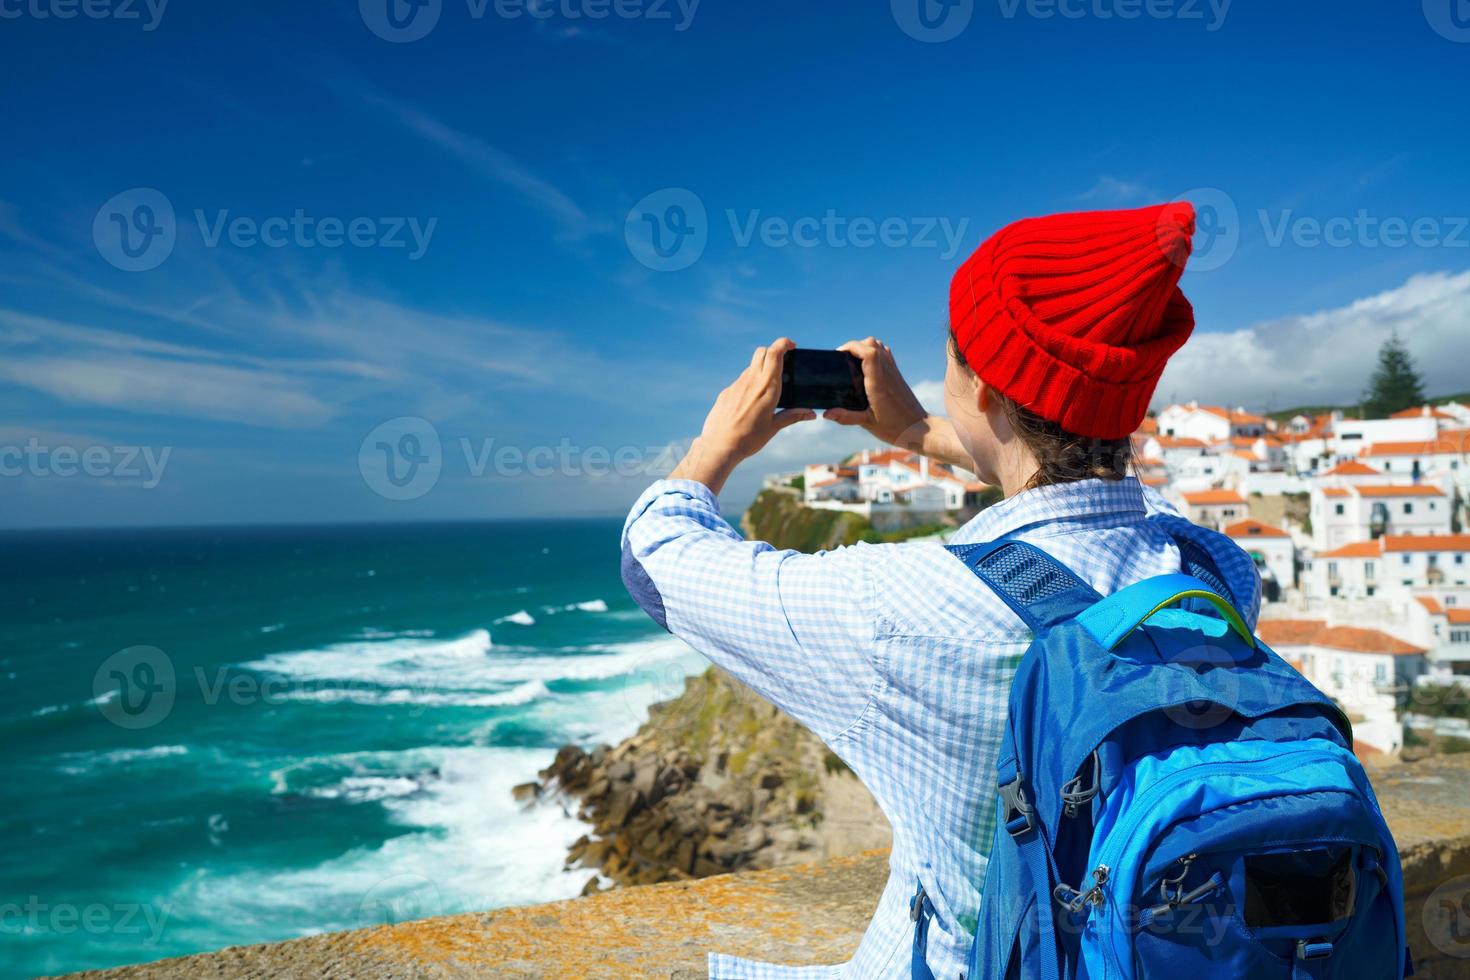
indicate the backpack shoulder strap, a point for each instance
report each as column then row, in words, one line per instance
column 1037, row 587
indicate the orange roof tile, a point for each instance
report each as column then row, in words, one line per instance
column 1149, row 425
column 1431, row 603
column 1458, row 617
column 1254, row 529
column 1358, row 549
column 1349, row 639
column 1384, row 490
column 1180, row 442
column 1449, row 441
column 1288, row 631
column 1355, row 639
column 1201, row 498
column 1426, row 542
column 1421, row 412
column 1351, row 468
column 1335, row 492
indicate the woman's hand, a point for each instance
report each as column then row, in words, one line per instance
column 894, row 413
column 743, row 420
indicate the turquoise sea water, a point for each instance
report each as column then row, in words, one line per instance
column 229, row 736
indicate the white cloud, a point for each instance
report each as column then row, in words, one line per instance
column 931, row 396
column 1326, row 357
column 168, row 387
column 1112, row 190
column 491, row 162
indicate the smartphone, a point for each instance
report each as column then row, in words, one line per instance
column 822, row 379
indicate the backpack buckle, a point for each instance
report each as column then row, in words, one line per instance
column 1079, row 790
column 1016, row 812
column 1307, row 949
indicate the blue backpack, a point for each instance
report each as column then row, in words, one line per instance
column 1175, row 799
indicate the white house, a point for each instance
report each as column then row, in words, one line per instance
column 1446, row 621
column 1271, row 547
column 1362, row 511
column 1209, row 423
column 1214, row 508
column 889, row 479
column 1366, row 671
column 1391, row 563
column 1349, row 436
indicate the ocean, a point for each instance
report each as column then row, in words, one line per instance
column 225, row 736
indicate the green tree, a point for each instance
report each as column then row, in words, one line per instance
column 1395, row 384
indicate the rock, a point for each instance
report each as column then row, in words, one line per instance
column 526, row 793
column 625, row 802
column 688, row 795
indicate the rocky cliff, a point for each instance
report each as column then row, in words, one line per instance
column 717, row 779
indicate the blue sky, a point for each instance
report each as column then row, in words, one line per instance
column 833, row 170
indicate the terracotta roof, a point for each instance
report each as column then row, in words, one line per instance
column 1449, row 441
column 1351, row 468
column 1238, row 417
column 1458, row 617
column 827, row 483
column 1154, row 481
column 1315, row 632
column 1147, row 461
column 1423, row 411
column 1335, row 492
column 1205, row 497
column 1384, row 490
column 1430, row 603
column 1289, row 631
column 1242, row 454
column 1149, row 425
column 1254, row 529
column 1354, row 639
column 1426, row 542
column 1180, row 442
column 1358, row 549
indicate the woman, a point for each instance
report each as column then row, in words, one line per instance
column 896, row 655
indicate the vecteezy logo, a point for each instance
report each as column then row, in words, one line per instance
column 933, row 21
column 135, row 688
column 1216, row 228
column 400, row 21
column 668, row 230
column 135, row 230
column 401, row 458
column 1449, row 18
column 1447, row 917
column 401, row 898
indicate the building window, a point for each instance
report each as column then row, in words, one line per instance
column 1459, row 559
column 1408, row 508
column 1340, row 510
column 1407, row 559
column 1368, row 570
column 1380, row 673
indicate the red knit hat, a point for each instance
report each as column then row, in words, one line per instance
column 1074, row 315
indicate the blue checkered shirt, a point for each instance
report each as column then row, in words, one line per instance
column 901, row 661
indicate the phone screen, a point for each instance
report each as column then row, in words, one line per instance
column 822, row 379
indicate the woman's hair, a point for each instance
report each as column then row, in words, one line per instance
column 1062, row 457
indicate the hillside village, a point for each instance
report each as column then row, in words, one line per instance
column 1357, row 526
